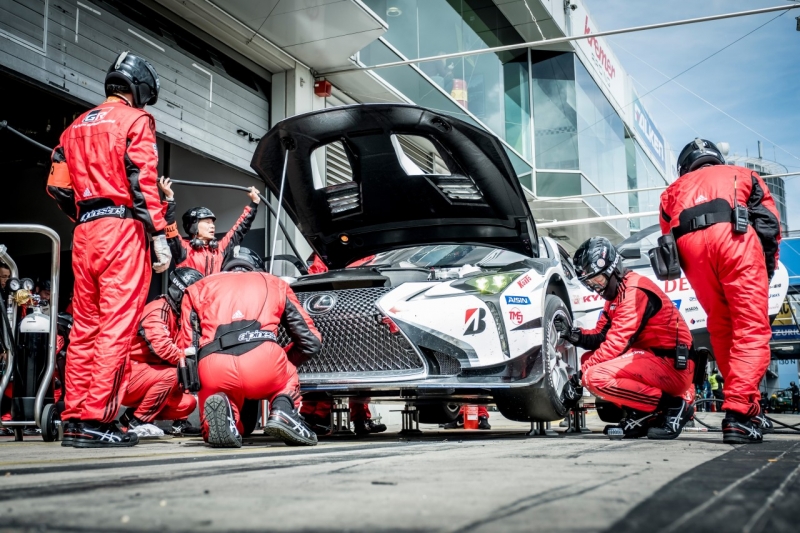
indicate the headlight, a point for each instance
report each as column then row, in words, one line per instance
column 488, row 284
column 27, row 284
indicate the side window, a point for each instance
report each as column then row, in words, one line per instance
column 566, row 264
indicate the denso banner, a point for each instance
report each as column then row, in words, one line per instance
column 648, row 133
column 607, row 69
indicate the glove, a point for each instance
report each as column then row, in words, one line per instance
column 573, row 392
column 163, row 255
column 565, row 331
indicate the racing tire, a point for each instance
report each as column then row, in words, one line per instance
column 49, row 419
column 249, row 416
column 542, row 402
column 438, row 413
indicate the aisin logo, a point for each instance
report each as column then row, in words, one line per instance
column 475, row 321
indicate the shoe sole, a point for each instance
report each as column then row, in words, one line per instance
column 736, row 439
column 102, row 444
column 67, row 443
column 281, row 431
column 216, row 413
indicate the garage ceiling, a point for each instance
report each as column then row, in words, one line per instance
column 273, row 33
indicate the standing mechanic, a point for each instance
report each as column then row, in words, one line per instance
column 104, row 177
column 154, row 392
column 232, row 320
column 201, row 250
column 640, row 348
column 728, row 232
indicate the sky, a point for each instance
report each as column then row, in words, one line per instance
column 756, row 80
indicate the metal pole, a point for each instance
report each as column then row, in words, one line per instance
column 277, row 216
column 560, row 40
column 4, row 126
column 579, row 221
column 579, row 196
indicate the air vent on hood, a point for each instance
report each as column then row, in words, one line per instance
column 344, row 199
column 458, row 189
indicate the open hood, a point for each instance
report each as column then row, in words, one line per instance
column 392, row 202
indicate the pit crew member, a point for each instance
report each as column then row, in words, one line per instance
column 201, row 250
column 318, row 416
column 104, row 177
column 727, row 230
column 632, row 360
column 232, row 320
column 154, row 392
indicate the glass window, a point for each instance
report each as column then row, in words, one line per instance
column 642, row 174
column 554, row 110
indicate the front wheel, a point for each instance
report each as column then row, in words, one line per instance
column 50, row 420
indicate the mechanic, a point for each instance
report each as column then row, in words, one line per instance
column 154, row 392
column 232, row 320
column 728, row 231
column 201, row 250
column 640, row 354
column 795, row 396
column 318, row 416
column 104, row 177
column 715, row 381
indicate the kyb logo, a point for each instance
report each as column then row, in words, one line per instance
column 524, row 281
column 515, row 316
column 475, row 321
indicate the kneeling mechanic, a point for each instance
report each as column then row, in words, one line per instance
column 153, row 391
column 232, row 319
column 640, row 350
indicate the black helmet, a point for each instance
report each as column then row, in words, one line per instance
column 243, row 259
column 697, row 153
column 597, row 256
column 179, row 279
column 193, row 216
column 135, row 74
column 64, row 324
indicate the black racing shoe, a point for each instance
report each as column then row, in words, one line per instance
column 483, row 422
column 458, row 423
column 320, row 426
column 71, row 427
column 635, row 426
column 185, row 428
column 94, row 434
column 763, row 423
column 740, row 430
column 285, row 423
column 127, row 417
column 367, row 426
column 222, row 432
column 672, row 422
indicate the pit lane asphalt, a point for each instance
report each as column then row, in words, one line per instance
column 454, row 481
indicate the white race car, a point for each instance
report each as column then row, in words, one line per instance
column 455, row 300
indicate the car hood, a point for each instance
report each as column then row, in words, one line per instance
column 386, row 207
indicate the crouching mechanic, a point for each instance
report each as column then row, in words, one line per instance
column 153, row 391
column 640, row 356
column 232, row 320
column 201, row 250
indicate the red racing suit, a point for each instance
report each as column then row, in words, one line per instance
column 633, row 345
column 205, row 259
column 104, row 177
column 243, row 310
column 729, row 272
column 154, row 390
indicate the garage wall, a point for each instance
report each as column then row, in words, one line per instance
column 69, row 44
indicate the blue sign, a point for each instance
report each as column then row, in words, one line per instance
column 677, row 304
column 518, row 300
column 785, row 333
column 647, row 131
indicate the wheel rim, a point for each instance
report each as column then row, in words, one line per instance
column 558, row 355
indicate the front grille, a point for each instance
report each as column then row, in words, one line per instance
column 354, row 340
column 448, row 365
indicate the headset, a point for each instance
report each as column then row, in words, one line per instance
column 199, row 244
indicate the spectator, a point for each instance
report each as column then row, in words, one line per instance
column 5, row 275
column 795, row 397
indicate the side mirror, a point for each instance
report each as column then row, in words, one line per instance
column 631, row 253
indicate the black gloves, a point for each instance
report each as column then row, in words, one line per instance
column 573, row 392
column 566, row 331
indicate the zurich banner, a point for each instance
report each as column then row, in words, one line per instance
column 647, row 131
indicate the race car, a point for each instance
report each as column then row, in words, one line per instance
column 454, row 297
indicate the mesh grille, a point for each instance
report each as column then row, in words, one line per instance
column 353, row 337
column 448, row 365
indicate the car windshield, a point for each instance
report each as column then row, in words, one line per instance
column 643, row 241
column 444, row 256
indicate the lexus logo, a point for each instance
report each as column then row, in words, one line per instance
column 320, row 303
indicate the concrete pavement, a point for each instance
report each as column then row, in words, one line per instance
column 455, row 481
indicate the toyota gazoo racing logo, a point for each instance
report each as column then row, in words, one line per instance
column 95, row 115
column 320, row 304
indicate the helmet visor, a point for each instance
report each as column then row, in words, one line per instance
column 596, row 283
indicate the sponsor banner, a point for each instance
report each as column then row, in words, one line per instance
column 785, row 333
column 649, row 136
column 607, row 68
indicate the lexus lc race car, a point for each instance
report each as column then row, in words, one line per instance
column 454, row 295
